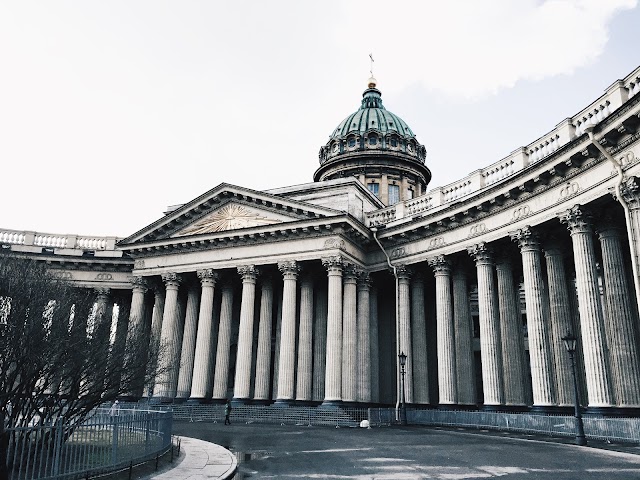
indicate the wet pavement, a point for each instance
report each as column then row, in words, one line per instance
column 408, row 453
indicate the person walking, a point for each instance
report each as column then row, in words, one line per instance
column 227, row 412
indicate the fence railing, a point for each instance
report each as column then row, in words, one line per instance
column 285, row 415
column 601, row 428
column 101, row 444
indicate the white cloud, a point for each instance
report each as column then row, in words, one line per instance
column 471, row 48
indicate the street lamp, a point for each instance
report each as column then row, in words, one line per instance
column 570, row 344
column 403, row 407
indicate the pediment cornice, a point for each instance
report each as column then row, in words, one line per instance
column 344, row 225
column 269, row 206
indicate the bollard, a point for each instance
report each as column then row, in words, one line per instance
column 130, row 469
column 156, row 462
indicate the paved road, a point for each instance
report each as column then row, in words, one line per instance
column 406, row 453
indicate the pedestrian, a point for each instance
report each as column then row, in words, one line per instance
column 114, row 411
column 227, row 412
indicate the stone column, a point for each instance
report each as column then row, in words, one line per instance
column 319, row 344
column 169, row 361
column 594, row 346
column 463, row 327
column 404, row 327
column 156, row 319
column 221, row 376
column 305, row 341
column 419, row 341
column 204, row 347
column 242, row 383
column 349, row 334
column 561, row 322
column 364, row 339
column 375, row 351
column 630, row 191
column 263, row 355
column 333, row 375
column 136, row 314
column 447, row 386
column 542, row 374
column 621, row 324
column 287, row 361
column 276, row 353
column 185, row 375
column 511, row 335
column 490, row 344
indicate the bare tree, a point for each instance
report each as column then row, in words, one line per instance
column 57, row 360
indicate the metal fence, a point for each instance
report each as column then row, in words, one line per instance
column 283, row 415
column 602, row 428
column 101, row 444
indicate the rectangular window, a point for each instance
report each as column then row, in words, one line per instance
column 394, row 194
column 409, row 194
column 374, row 188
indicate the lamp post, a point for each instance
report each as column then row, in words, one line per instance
column 570, row 344
column 403, row 407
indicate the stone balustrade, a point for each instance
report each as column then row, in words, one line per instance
column 546, row 145
column 75, row 245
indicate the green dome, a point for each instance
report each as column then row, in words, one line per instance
column 372, row 128
column 372, row 116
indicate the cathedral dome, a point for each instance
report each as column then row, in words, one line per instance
column 374, row 140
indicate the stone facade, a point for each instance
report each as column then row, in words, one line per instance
column 307, row 294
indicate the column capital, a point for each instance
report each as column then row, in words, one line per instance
column 208, row 277
column 289, row 269
column 440, row 265
column 333, row 263
column 350, row 271
column 249, row 273
column 630, row 191
column 364, row 280
column 102, row 293
column 172, row 279
column 482, row 253
column 527, row 238
column 139, row 284
column 577, row 219
column 404, row 272
column 608, row 227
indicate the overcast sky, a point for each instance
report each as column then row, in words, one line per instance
column 112, row 110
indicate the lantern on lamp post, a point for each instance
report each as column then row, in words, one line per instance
column 403, row 407
column 570, row 342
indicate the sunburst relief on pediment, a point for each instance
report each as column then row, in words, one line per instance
column 229, row 217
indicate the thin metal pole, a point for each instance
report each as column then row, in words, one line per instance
column 580, row 438
column 403, row 405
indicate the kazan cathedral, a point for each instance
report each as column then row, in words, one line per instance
column 314, row 294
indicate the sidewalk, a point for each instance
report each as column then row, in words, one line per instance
column 201, row 460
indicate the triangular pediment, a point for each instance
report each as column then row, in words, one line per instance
column 232, row 216
column 227, row 208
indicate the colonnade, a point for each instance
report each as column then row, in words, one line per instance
column 308, row 337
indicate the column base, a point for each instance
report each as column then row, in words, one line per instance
column 218, row 401
column 331, row 404
column 284, row 402
column 198, row 401
column 492, row 408
column 305, row 403
column 610, row 411
column 159, row 400
column 549, row 410
column 180, row 400
column 261, row 401
column 128, row 398
column 240, row 401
